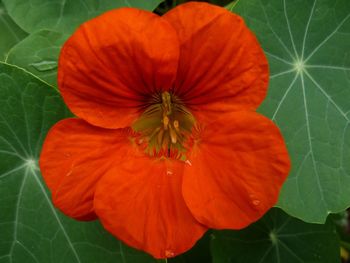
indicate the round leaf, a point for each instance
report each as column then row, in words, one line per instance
column 277, row 238
column 307, row 45
column 32, row 230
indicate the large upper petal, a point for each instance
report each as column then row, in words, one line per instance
column 74, row 157
column 222, row 66
column 113, row 64
column 235, row 171
column 140, row 202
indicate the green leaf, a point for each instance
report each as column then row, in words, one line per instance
column 307, row 45
column 10, row 33
column 277, row 238
column 38, row 53
column 65, row 15
column 32, row 230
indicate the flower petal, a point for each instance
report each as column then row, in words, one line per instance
column 141, row 203
column 112, row 65
column 222, row 66
column 75, row 155
column 238, row 165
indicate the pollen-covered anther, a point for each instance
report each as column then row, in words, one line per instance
column 173, row 135
column 176, row 125
column 166, row 122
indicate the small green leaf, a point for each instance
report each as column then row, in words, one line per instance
column 65, row 15
column 277, row 238
column 307, row 45
column 10, row 33
column 38, row 53
column 32, row 230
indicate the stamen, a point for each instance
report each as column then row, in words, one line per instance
column 165, row 125
column 166, row 99
column 173, row 135
column 176, row 125
column 166, row 122
column 160, row 137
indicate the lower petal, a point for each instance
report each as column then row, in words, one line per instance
column 141, row 203
column 237, row 167
column 75, row 155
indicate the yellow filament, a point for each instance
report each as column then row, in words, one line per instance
column 160, row 137
column 166, row 99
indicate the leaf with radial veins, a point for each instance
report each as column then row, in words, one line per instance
column 65, row 15
column 32, row 230
column 307, row 45
column 277, row 238
column 10, row 32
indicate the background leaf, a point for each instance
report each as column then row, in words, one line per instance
column 32, row 230
column 277, row 238
column 38, row 53
column 307, row 45
column 10, row 33
column 65, row 15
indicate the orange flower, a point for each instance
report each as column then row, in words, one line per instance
column 197, row 155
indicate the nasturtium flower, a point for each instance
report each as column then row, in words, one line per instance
column 166, row 142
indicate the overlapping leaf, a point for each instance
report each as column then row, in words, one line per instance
column 277, row 238
column 64, row 15
column 10, row 33
column 32, row 230
column 307, row 45
column 38, row 53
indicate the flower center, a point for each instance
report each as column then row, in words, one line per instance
column 165, row 125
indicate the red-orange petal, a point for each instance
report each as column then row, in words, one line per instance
column 112, row 65
column 75, row 155
column 222, row 66
column 235, row 170
column 141, row 203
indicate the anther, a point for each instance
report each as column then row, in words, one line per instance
column 176, row 125
column 173, row 135
column 166, row 122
